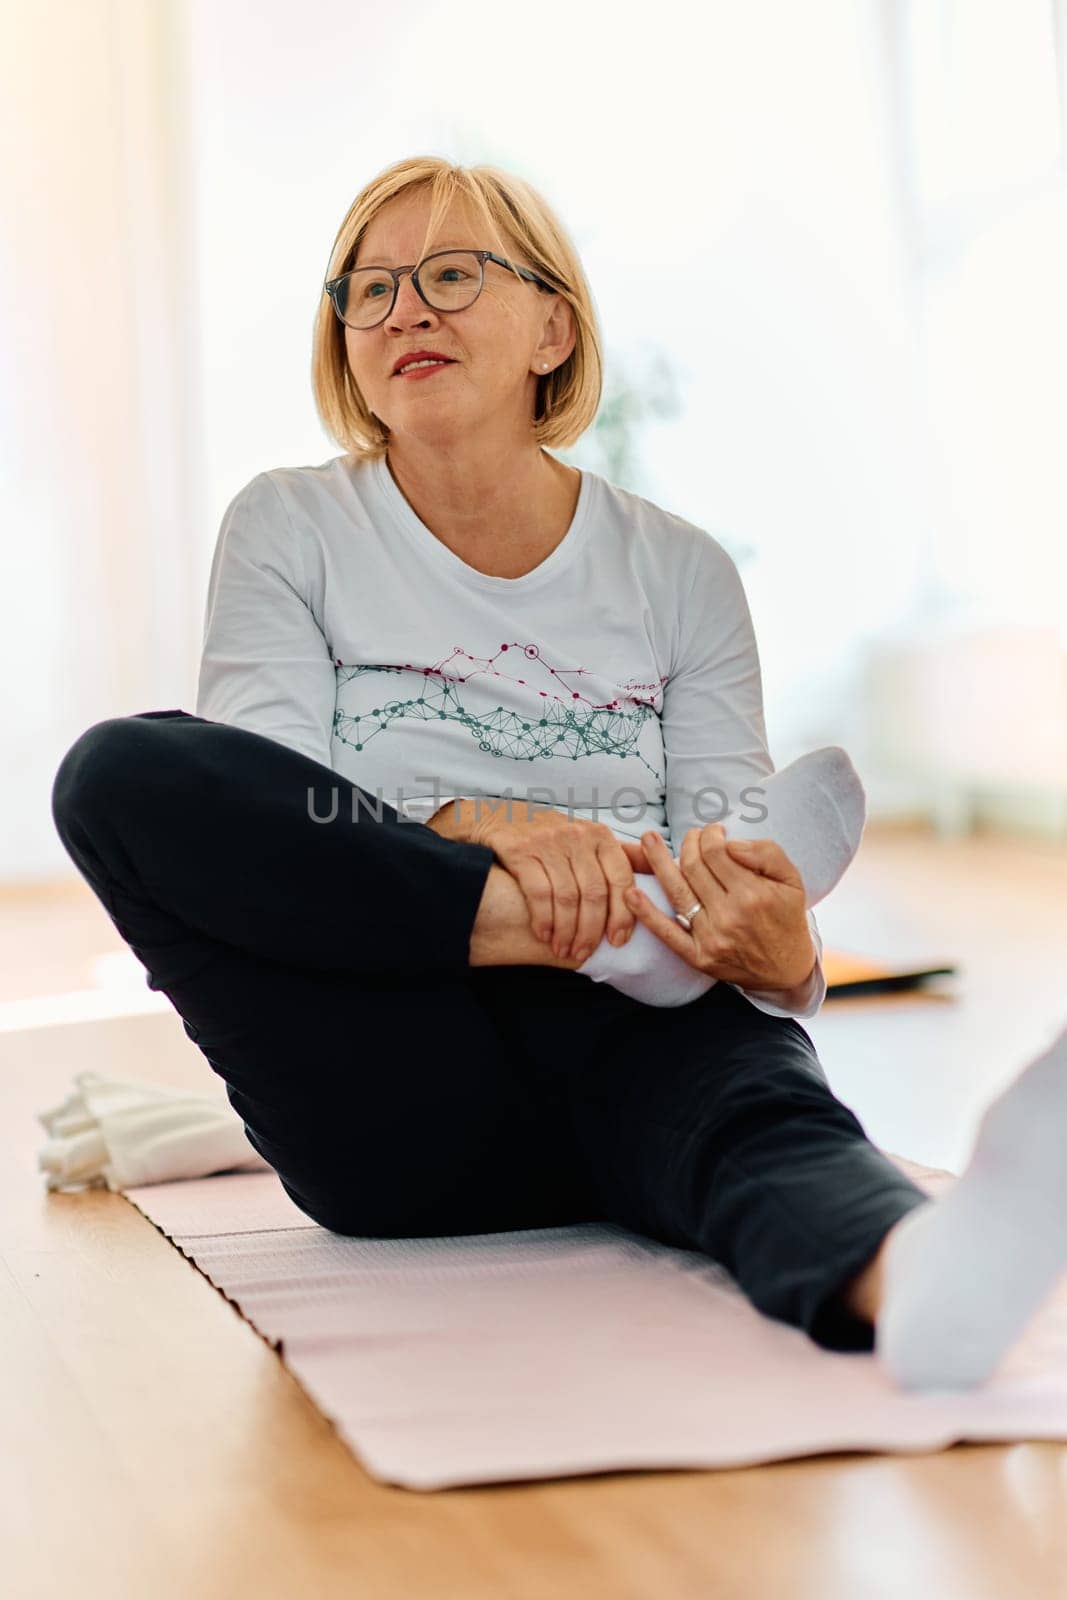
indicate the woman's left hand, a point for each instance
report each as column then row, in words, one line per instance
column 753, row 929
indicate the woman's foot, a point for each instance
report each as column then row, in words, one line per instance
column 816, row 809
column 964, row 1274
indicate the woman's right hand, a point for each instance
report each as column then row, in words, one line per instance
column 572, row 871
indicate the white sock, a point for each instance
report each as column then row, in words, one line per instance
column 816, row 809
column 644, row 967
column 964, row 1274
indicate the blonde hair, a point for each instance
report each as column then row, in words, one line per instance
column 518, row 222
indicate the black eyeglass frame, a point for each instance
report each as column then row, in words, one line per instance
column 331, row 285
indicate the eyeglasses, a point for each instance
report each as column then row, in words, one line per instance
column 453, row 281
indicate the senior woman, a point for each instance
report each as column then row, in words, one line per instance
column 396, row 991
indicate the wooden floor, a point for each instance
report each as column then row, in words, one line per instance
column 151, row 1445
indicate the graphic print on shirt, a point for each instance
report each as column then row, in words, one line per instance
column 539, row 716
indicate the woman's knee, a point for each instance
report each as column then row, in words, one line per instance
column 100, row 760
column 87, row 770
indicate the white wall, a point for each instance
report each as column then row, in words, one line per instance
column 97, row 394
column 840, row 422
column 751, row 172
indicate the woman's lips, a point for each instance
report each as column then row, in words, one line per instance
column 425, row 372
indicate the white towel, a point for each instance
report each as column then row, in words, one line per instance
column 117, row 1133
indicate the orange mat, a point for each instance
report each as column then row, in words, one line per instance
column 853, row 974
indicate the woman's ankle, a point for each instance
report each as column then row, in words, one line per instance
column 865, row 1293
column 502, row 935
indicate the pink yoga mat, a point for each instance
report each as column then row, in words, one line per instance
column 560, row 1351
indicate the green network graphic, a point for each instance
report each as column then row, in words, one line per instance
column 573, row 728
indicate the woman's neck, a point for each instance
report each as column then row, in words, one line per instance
column 503, row 523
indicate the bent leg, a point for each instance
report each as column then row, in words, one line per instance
column 713, row 1127
column 202, row 831
column 321, row 968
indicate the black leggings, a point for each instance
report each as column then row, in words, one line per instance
column 320, row 963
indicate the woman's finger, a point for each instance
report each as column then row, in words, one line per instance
column 634, row 852
column 671, row 873
column 593, row 908
column 566, row 902
column 664, row 927
column 700, row 873
column 619, row 875
column 709, row 847
column 536, row 886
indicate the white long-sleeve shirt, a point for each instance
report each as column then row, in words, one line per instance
column 619, row 680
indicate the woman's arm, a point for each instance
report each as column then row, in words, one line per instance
column 714, row 731
column 266, row 665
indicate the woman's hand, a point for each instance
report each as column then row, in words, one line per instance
column 573, row 872
column 753, row 929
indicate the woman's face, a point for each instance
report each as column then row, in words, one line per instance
column 497, row 346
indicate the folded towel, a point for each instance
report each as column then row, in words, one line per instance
column 110, row 1132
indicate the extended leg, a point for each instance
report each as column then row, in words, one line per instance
column 712, row 1126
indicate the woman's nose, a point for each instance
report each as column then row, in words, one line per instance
column 409, row 303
